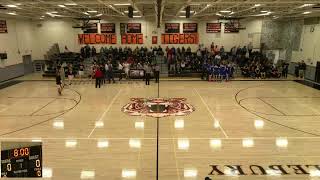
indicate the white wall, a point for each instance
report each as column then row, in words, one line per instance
column 309, row 46
column 61, row 32
column 17, row 42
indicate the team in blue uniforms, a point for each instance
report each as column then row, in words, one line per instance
column 219, row 72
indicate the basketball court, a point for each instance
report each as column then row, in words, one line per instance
column 245, row 123
column 238, row 96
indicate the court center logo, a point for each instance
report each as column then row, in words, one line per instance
column 158, row 107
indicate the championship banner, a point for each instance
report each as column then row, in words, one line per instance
column 172, row 28
column 3, row 26
column 231, row 27
column 92, row 28
column 108, row 28
column 134, row 28
column 154, row 39
column 97, row 39
column 132, row 39
column 213, row 27
column 190, row 27
column 188, row 38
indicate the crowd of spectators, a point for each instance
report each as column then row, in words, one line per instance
column 213, row 63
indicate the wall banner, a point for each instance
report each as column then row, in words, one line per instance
column 108, row 28
column 154, row 39
column 187, row 38
column 213, row 27
column 97, row 39
column 132, row 39
column 3, row 26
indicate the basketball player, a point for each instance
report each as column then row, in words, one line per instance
column 59, row 81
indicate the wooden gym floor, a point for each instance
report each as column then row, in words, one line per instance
column 271, row 124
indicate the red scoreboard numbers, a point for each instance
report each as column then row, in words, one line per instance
column 132, row 39
column 192, row 38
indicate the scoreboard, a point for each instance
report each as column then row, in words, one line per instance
column 22, row 162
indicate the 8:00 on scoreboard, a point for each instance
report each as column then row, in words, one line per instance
column 22, row 162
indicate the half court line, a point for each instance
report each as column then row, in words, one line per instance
column 223, row 131
column 105, row 112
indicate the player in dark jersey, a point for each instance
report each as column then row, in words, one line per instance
column 59, row 81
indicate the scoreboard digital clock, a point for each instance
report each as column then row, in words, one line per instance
column 22, row 162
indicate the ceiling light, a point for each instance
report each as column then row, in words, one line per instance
column 12, row 6
column 136, row 16
column 87, row 174
column 129, row 173
column 225, row 11
column 93, row 11
column 248, row 142
column 306, row 5
column 194, row 4
column 264, row 11
column 183, row 144
column 53, row 12
column 18, row 4
column 218, row 14
column 231, row 13
column 42, row 16
column 12, row 13
column 208, row 5
column 190, row 173
column 257, row 5
column 86, row 13
column 103, row 144
column 71, row 143
column 307, row 12
column 46, row 172
column 70, row 4
column 98, row 15
column 128, row 11
column 124, row 4
column 185, row 11
column 60, row 5
column 182, row 16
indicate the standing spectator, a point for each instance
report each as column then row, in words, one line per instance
column 126, row 68
column 98, row 75
column 302, row 69
column 81, row 71
column 110, row 73
column 148, row 73
column 222, row 50
column 285, row 68
column 157, row 72
column 70, row 74
column 250, row 47
column 212, row 47
column 120, row 69
column 93, row 51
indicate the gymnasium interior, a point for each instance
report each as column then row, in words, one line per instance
column 160, row 90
